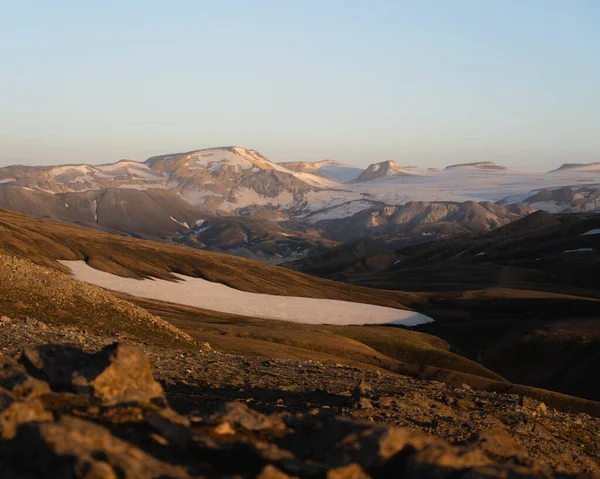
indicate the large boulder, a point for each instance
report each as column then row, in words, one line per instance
column 118, row 373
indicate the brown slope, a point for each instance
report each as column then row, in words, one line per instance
column 45, row 241
column 28, row 290
column 395, row 349
column 145, row 213
column 252, row 238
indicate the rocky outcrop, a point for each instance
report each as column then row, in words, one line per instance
column 117, row 374
column 95, row 421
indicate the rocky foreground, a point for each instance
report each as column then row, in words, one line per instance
column 69, row 412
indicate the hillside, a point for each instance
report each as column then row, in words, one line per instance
column 394, row 377
column 424, row 219
column 43, row 242
column 96, row 410
column 252, row 238
column 521, row 298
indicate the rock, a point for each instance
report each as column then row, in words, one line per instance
column 239, row 415
column 363, row 403
column 14, row 379
column 118, row 373
column 89, row 427
column 171, row 426
column 224, row 428
column 351, row 471
column 361, row 389
column 72, row 447
column 271, row 472
column 13, row 413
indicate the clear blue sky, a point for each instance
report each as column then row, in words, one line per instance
column 420, row 82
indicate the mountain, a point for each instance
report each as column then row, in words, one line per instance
column 384, row 169
column 82, row 178
column 334, row 170
column 541, row 251
column 478, row 165
column 240, row 181
column 365, row 255
column 232, row 177
column 152, row 213
column 566, row 199
column 217, row 178
column 578, row 167
column 419, row 219
column 252, row 238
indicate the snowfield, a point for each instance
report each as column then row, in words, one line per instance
column 200, row 293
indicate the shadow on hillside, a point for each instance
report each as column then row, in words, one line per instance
column 204, row 399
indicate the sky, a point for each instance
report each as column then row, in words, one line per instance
column 425, row 82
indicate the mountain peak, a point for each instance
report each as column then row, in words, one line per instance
column 384, row 168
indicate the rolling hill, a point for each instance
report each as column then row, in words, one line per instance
column 520, row 299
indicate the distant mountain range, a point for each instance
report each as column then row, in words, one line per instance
column 168, row 196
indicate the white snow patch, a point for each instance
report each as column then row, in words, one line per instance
column 592, row 232
column 200, row 293
column 580, row 250
column 184, row 224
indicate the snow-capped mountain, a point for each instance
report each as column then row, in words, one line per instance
column 236, row 180
column 385, row 169
column 232, row 177
column 81, row 178
column 216, row 178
